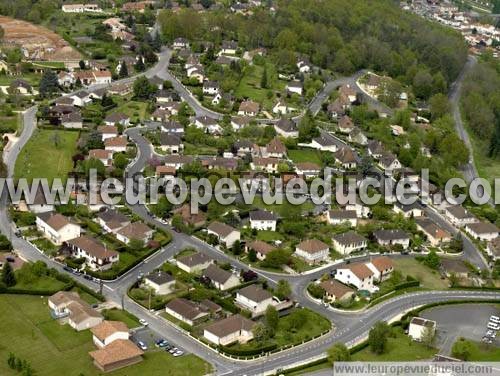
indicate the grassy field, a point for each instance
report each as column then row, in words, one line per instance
column 299, row 156
column 9, row 124
column 428, row 278
column 487, row 168
column 399, row 348
column 249, row 86
column 35, row 160
column 136, row 110
column 53, row 349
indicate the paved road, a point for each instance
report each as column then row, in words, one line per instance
column 469, row 169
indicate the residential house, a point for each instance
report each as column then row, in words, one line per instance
column 160, row 282
column 356, row 274
column 357, row 137
column 165, row 172
column 117, row 118
column 389, row 162
column 336, row 109
column 349, row 92
column 96, row 254
column 240, row 122
column 40, row 203
column 454, row 267
column 304, row 66
column 225, row 234
column 375, row 149
column 493, row 249
column 189, row 218
column 108, row 331
column 263, row 220
column 243, row 147
column 157, row 82
column 68, row 307
column 73, row 120
column 337, row 217
column 434, row 233
column 137, row 231
column 362, row 210
column 308, row 169
column 229, row 47
column 186, row 311
column 249, row 108
column 421, row 328
column 392, row 237
column 482, row 230
column 275, row 148
column 349, row 242
column 281, row 108
column 324, row 143
column 81, row 8
column 220, row 278
column 313, row 251
column 112, row 220
column 81, row 98
column 459, row 216
column 56, row 227
column 170, row 143
column 346, row 157
column 210, row 88
column 232, row 329
column 269, row 165
column 20, row 87
column 118, row 354
column 287, row 128
column 254, row 299
column 194, row 263
column 382, row 267
column 345, row 124
column 336, row 291
column 262, row 249
column 208, row 124
column 295, row 87
column 409, row 211
column 107, row 131
column 173, row 126
column 177, row 161
column 116, row 144
column 196, row 72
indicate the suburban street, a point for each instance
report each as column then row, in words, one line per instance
column 349, row 327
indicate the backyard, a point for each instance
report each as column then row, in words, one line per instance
column 51, row 349
column 305, row 155
column 428, row 278
column 35, row 160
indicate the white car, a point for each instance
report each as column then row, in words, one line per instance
column 143, row 322
column 495, row 319
column 178, row 353
column 142, row 346
column 491, row 333
column 493, row 326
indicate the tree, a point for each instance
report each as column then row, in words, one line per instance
column 162, row 208
column 143, row 89
column 81, row 64
column 338, row 353
column 462, row 349
column 120, row 160
column 136, row 245
column 8, row 276
column 49, row 83
column 377, row 337
column 94, row 141
column 296, row 319
column 260, row 332
column 283, row 289
column 276, row 258
column 271, row 318
column 236, row 248
column 123, row 70
column 2, row 33
column 94, row 164
column 439, row 106
column 252, row 255
column 432, row 260
column 139, row 65
column 5, row 244
column 263, row 80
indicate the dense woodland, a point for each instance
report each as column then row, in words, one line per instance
column 481, row 102
column 339, row 35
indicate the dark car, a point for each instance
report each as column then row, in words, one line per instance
column 88, row 277
column 68, row 269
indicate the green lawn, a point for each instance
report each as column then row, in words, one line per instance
column 269, row 236
column 399, row 348
column 487, row 168
column 52, row 349
column 47, row 155
column 483, row 352
column 119, row 315
column 305, row 155
column 136, row 110
column 9, row 124
column 428, row 278
column 44, row 283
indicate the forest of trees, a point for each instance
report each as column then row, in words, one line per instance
column 343, row 36
column 481, row 102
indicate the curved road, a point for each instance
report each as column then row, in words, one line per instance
column 350, row 327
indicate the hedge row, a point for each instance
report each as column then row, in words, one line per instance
column 406, row 285
column 250, row 352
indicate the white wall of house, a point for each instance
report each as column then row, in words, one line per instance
column 312, row 258
column 263, row 225
column 241, row 336
column 178, row 316
column 255, row 307
column 345, row 249
column 85, row 324
column 347, row 277
column 163, row 289
column 113, row 337
column 70, row 231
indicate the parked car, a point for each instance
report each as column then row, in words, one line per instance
column 493, row 326
column 495, row 319
column 491, row 333
column 68, row 269
column 143, row 322
column 142, row 346
column 86, row 276
column 178, row 353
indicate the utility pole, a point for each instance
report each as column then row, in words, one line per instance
column 123, row 305
column 101, row 284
